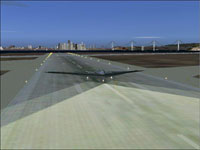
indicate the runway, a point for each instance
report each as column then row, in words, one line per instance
column 134, row 110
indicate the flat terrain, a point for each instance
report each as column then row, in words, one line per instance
column 3, row 72
column 155, row 60
column 136, row 110
column 197, row 76
column 17, row 58
column 21, row 54
column 14, row 73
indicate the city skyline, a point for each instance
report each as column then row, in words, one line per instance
column 48, row 23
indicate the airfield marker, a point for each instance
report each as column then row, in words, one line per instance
column 187, row 140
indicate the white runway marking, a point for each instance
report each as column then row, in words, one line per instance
column 119, row 94
column 79, row 66
column 78, row 88
column 188, row 141
column 139, row 86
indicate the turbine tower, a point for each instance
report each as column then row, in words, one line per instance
column 178, row 45
column 142, row 48
column 112, row 45
column 154, row 45
column 132, row 47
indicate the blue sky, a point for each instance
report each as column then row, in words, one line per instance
column 47, row 23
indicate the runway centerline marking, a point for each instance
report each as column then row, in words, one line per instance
column 187, row 140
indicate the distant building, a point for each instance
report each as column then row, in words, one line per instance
column 62, row 46
column 30, row 47
column 41, row 48
column 11, row 47
column 69, row 45
column 120, row 48
column 1, row 48
column 196, row 48
column 76, row 46
column 82, row 46
column 59, row 45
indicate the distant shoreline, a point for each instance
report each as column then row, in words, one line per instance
column 96, row 51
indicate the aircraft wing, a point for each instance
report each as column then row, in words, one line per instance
column 111, row 73
column 115, row 73
column 73, row 73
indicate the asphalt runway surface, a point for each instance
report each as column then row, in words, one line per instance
column 133, row 110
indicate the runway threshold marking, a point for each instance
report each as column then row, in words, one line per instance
column 119, row 94
column 196, row 146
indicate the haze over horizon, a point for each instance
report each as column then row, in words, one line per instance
column 48, row 23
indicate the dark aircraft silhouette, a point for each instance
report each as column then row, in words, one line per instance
column 100, row 73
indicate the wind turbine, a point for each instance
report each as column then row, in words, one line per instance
column 154, row 44
column 178, row 44
column 112, row 45
column 132, row 47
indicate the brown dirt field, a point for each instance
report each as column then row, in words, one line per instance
column 155, row 61
column 3, row 72
column 21, row 54
column 17, row 58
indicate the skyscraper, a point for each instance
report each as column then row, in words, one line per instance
column 62, row 46
column 69, row 45
column 81, row 46
column 59, row 46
